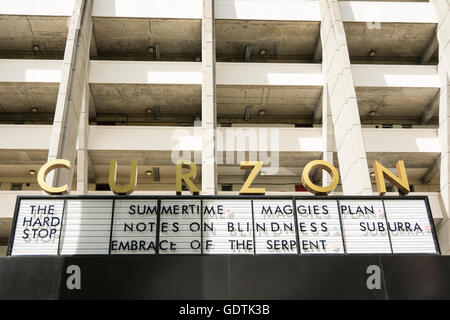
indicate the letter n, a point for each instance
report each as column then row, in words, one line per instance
column 401, row 182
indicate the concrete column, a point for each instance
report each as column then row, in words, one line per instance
column 337, row 73
column 82, row 152
column 327, row 135
column 442, row 8
column 209, row 166
column 75, row 74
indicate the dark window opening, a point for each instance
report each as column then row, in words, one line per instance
column 227, row 187
column 102, row 187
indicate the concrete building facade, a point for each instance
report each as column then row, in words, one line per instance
column 220, row 81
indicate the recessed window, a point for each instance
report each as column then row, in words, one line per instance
column 227, row 187
column 16, row 186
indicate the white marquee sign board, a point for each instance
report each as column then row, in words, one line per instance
column 221, row 225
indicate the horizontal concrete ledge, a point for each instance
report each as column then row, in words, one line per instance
column 190, row 73
column 386, row 11
column 145, row 72
column 25, row 137
column 37, row 137
column 401, row 140
column 291, row 10
column 22, row 70
column 39, row 8
column 138, row 72
column 181, row 9
column 287, row 10
column 406, row 76
column 271, row 74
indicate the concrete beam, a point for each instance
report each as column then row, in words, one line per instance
column 91, row 110
column 430, row 50
column 431, row 173
column 93, row 49
column 317, row 57
column 431, row 110
column 318, row 114
column 71, row 94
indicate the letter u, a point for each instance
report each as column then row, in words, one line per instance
column 130, row 187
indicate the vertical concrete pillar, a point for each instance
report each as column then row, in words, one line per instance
column 83, row 138
column 442, row 8
column 337, row 73
column 327, row 135
column 75, row 72
column 209, row 166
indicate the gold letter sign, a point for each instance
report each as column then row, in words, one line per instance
column 320, row 164
column 45, row 169
column 186, row 177
column 401, row 182
column 256, row 166
column 128, row 189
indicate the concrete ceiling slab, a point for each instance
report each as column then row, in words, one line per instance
column 21, row 97
column 128, row 99
column 292, row 40
column 397, row 42
column 179, row 39
column 25, row 157
column 394, row 103
column 412, row 160
column 144, row 158
column 275, row 101
column 18, row 35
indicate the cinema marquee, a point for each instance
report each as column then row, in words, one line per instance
column 251, row 223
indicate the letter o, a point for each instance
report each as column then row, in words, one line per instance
column 313, row 188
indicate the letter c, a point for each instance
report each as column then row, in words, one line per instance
column 44, row 171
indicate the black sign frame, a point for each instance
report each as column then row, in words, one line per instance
column 218, row 197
